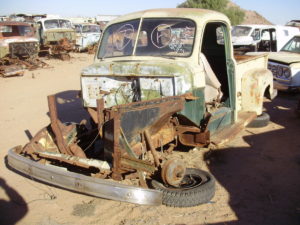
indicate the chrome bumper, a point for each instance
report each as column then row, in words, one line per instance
column 84, row 184
column 280, row 86
column 284, row 87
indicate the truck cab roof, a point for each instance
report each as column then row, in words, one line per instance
column 194, row 14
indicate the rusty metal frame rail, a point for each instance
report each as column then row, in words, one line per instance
column 55, row 125
column 83, row 184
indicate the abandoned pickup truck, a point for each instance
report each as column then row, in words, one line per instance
column 160, row 81
column 18, row 46
column 87, row 36
column 57, row 37
column 285, row 66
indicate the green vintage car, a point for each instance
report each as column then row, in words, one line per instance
column 57, row 37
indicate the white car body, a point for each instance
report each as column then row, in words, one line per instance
column 86, row 37
column 257, row 37
column 285, row 66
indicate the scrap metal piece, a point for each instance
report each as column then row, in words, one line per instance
column 100, row 115
column 137, row 164
column 17, row 66
column 61, row 49
column 193, row 136
column 59, row 128
column 117, row 170
column 33, row 63
column 125, row 125
column 55, row 125
column 92, row 48
column 152, row 149
column 84, row 184
column 75, row 160
column 29, row 49
column 11, row 70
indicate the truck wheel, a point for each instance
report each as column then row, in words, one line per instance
column 197, row 187
column 260, row 121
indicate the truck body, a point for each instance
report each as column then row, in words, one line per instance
column 87, row 35
column 285, row 66
column 179, row 70
column 56, row 36
column 160, row 78
column 14, row 34
column 17, row 41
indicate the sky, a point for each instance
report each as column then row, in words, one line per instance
column 276, row 11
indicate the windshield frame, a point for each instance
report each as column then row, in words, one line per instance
column 90, row 30
column 141, row 20
column 17, row 31
column 293, row 23
column 58, row 22
column 242, row 26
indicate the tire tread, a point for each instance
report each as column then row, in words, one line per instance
column 260, row 121
column 188, row 197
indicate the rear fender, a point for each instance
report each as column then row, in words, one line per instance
column 255, row 84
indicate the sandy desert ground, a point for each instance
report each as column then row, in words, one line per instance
column 257, row 174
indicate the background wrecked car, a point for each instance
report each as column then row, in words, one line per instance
column 18, row 48
column 87, row 36
column 56, row 37
column 285, row 66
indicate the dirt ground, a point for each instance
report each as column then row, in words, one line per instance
column 257, row 174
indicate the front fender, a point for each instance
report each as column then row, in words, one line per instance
column 255, row 83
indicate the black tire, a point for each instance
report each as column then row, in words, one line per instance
column 260, row 121
column 202, row 190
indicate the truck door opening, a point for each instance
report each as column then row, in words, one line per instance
column 268, row 41
column 214, row 50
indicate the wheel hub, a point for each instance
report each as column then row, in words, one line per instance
column 173, row 172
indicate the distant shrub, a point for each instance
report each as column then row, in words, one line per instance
column 235, row 14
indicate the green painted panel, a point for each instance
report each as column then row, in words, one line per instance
column 219, row 119
column 58, row 35
column 194, row 110
column 150, row 94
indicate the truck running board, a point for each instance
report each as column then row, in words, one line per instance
column 229, row 132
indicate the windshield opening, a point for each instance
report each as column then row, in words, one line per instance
column 293, row 23
column 77, row 28
column 16, row 30
column 292, row 46
column 90, row 29
column 53, row 24
column 119, row 39
column 157, row 37
column 240, row 31
column 166, row 37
